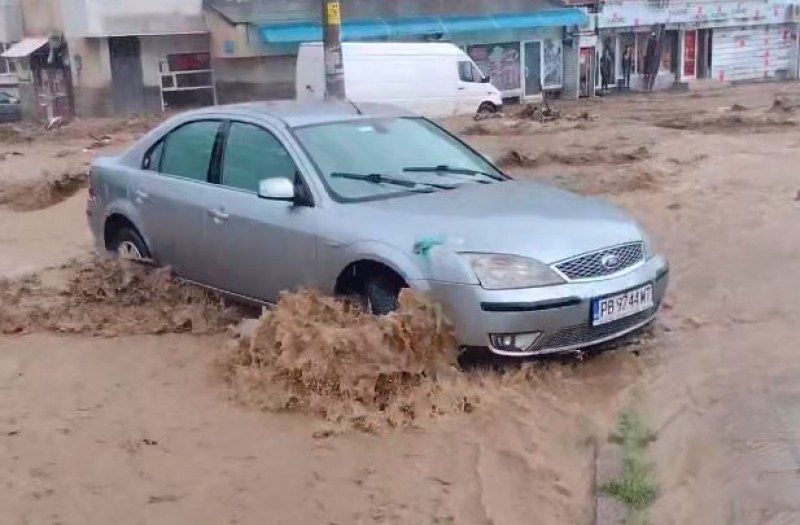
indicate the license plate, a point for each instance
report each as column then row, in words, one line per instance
column 609, row 309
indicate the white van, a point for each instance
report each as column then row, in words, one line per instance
column 431, row 79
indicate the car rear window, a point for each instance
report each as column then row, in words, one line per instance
column 188, row 150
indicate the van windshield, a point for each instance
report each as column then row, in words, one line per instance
column 387, row 157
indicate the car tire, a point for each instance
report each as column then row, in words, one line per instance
column 381, row 294
column 129, row 244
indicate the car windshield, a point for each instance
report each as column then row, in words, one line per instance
column 388, row 157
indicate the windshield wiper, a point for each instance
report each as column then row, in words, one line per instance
column 377, row 178
column 444, row 168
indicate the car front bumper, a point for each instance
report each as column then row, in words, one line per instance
column 562, row 314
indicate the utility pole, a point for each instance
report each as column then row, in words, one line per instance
column 332, row 45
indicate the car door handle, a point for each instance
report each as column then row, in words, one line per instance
column 218, row 215
column 141, row 195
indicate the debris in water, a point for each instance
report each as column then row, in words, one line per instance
column 4, row 156
column 321, row 356
column 107, row 297
column 99, row 142
column 45, row 193
column 54, row 123
column 515, row 158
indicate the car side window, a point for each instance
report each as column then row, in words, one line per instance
column 187, row 151
column 5, row 98
column 253, row 154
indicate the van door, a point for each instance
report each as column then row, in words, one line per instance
column 472, row 90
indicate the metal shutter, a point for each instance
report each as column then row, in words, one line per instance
column 751, row 53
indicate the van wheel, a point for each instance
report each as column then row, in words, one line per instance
column 487, row 108
column 128, row 244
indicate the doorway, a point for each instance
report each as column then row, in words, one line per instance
column 533, row 68
column 704, row 53
column 587, row 72
column 127, row 80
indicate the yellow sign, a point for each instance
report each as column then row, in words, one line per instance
column 334, row 14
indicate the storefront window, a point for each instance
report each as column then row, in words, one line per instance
column 5, row 63
column 553, row 63
column 627, row 40
column 641, row 51
column 502, row 62
column 668, row 45
column 689, row 53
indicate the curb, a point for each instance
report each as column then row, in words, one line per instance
column 608, row 466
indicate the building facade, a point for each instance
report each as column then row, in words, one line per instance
column 520, row 43
column 727, row 41
column 143, row 56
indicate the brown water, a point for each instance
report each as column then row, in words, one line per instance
column 139, row 428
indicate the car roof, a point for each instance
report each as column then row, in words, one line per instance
column 296, row 114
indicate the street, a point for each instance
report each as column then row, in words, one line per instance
column 111, row 414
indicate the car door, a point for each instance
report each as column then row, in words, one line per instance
column 172, row 194
column 262, row 247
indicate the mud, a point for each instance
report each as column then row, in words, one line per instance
column 104, row 297
column 734, row 122
column 142, row 428
column 600, row 154
column 45, row 192
column 321, row 356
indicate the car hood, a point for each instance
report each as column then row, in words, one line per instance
column 516, row 217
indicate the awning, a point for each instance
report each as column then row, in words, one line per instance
column 25, row 48
column 310, row 31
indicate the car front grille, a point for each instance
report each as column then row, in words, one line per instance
column 586, row 333
column 591, row 265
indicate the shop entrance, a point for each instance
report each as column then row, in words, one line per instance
column 587, row 71
column 704, row 53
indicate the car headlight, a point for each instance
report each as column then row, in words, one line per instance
column 506, row 272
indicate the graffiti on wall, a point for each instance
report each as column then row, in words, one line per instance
column 501, row 61
column 553, row 63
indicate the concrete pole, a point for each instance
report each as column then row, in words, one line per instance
column 332, row 44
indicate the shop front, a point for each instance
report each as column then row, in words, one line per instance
column 523, row 68
column 630, row 49
column 729, row 42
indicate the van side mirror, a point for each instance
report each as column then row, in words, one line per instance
column 487, row 79
column 277, row 189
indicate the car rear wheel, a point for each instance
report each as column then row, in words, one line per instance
column 128, row 244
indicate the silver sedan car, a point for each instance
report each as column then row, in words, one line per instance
column 366, row 200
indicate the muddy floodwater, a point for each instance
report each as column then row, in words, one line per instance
column 126, row 397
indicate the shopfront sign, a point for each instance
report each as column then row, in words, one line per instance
column 633, row 13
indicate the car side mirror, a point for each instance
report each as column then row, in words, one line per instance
column 487, row 79
column 277, row 189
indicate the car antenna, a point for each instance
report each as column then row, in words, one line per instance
column 358, row 110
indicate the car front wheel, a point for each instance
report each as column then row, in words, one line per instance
column 381, row 294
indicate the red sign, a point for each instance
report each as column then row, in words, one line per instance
column 689, row 53
column 189, row 61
